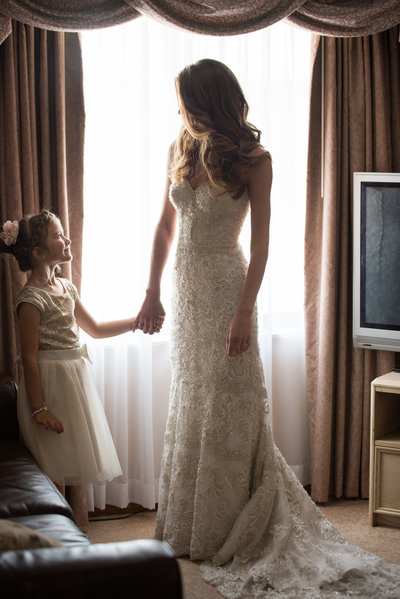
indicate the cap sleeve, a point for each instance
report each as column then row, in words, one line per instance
column 28, row 295
column 70, row 287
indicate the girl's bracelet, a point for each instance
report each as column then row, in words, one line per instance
column 42, row 409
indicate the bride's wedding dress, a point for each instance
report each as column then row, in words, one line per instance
column 227, row 496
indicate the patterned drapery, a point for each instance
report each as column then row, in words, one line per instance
column 360, row 78
column 343, row 18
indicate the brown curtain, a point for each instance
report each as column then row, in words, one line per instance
column 214, row 17
column 41, row 149
column 357, row 81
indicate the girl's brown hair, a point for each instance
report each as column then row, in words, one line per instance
column 216, row 132
column 33, row 231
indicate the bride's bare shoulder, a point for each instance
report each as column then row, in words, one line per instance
column 258, row 162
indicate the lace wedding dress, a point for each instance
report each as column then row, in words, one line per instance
column 227, row 496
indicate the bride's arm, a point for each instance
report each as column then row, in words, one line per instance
column 163, row 237
column 259, row 187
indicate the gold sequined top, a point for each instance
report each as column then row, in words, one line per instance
column 58, row 328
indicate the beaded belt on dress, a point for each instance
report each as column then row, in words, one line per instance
column 188, row 246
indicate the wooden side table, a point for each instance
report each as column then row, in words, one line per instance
column 384, row 482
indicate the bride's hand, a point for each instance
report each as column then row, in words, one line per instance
column 239, row 334
column 151, row 315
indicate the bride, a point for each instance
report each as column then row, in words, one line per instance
column 227, row 496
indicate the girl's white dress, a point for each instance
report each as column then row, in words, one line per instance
column 227, row 496
column 85, row 451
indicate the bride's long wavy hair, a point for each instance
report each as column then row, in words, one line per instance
column 215, row 133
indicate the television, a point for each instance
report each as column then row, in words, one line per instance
column 376, row 261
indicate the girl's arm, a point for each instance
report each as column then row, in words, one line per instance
column 259, row 187
column 164, row 235
column 29, row 321
column 100, row 330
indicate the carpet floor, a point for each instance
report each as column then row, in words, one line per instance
column 350, row 516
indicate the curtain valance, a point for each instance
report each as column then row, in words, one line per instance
column 343, row 18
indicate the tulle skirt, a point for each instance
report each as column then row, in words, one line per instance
column 85, row 451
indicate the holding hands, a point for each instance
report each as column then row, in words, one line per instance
column 151, row 315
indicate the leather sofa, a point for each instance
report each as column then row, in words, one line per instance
column 140, row 569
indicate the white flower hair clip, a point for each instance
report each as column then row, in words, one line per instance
column 10, row 231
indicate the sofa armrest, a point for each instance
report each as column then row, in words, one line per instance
column 24, row 489
column 147, row 569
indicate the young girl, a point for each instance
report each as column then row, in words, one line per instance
column 60, row 414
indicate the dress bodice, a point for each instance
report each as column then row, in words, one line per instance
column 58, row 328
column 206, row 221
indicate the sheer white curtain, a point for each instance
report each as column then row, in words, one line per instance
column 132, row 118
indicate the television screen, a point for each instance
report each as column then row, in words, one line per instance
column 376, row 248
